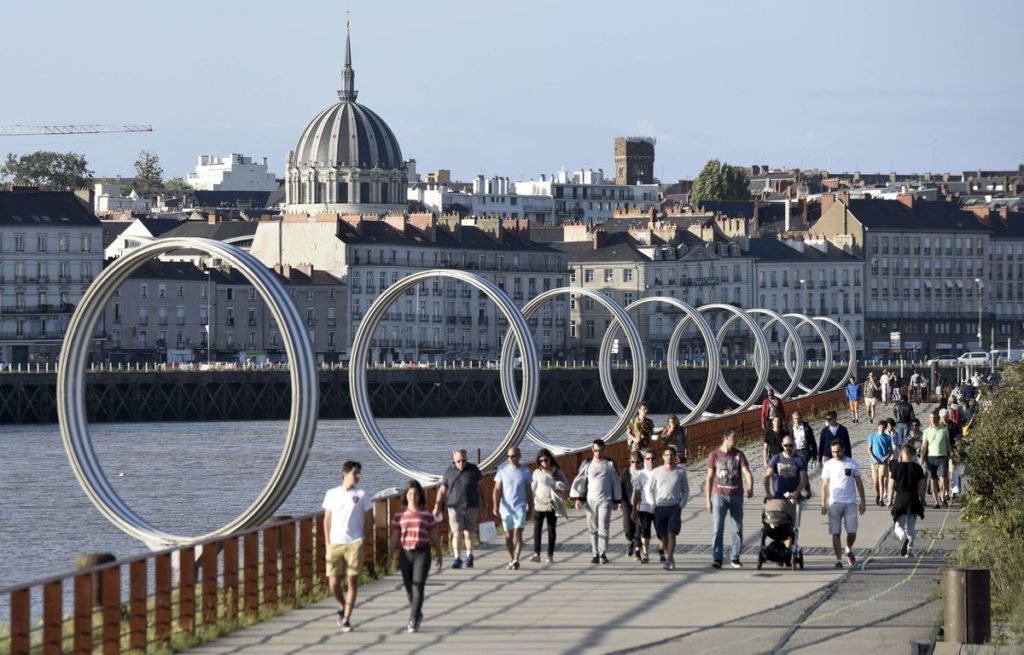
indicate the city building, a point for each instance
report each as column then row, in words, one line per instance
column 586, row 197
column 109, row 201
column 50, row 250
column 634, row 160
column 138, row 233
column 495, row 196
column 1002, row 299
column 233, row 172
column 347, row 159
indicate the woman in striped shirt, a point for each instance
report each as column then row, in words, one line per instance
column 413, row 531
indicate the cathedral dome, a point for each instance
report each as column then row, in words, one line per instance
column 348, row 135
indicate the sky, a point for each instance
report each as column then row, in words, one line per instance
column 528, row 88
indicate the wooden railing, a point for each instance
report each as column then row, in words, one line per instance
column 175, row 598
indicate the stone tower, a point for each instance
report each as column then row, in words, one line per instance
column 634, row 160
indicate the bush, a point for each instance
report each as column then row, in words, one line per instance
column 993, row 508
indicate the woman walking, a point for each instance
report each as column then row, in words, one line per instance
column 548, row 484
column 675, row 435
column 413, row 532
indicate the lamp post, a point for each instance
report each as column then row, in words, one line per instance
column 802, row 283
column 209, row 339
column 981, row 286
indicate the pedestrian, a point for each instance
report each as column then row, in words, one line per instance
column 871, row 392
column 639, row 429
column 673, row 434
column 935, row 457
column 345, row 508
column 786, row 477
column 884, row 385
column 728, row 471
column 771, row 407
column 915, row 435
column 511, row 501
column 413, row 532
column 895, row 385
column 806, row 446
column 773, row 439
column 854, row 391
column 879, row 452
column 915, row 387
column 548, row 484
column 643, row 508
column 597, row 486
column 839, row 477
column 907, row 482
column 903, row 414
column 671, row 492
column 832, row 430
column 460, row 491
column 626, row 480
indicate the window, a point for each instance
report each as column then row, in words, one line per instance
column 588, row 275
column 19, row 243
column 41, row 243
column 143, row 290
column 63, row 243
column 229, row 294
column 607, row 275
column 161, row 291
column 86, row 243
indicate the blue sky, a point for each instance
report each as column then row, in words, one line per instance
column 525, row 88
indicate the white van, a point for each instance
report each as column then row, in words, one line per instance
column 976, row 359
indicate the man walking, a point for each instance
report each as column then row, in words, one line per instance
column 832, row 430
column 806, row 446
column 854, row 390
column 640, row 429
column 789, row 472
column 871, row 392
column 512, row 499
column 879, row 453
column 671, row 492
column 597, row 484
column 906, row 498
column 771, row 407
column 839, row 476
column 915, row 387
column 460, row 491
column 345, row 509
column 728, row 471
column 903, row 414
column 935, row 456
column 643, row 507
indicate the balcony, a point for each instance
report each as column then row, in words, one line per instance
column 37, row 309
column 64, row 278
column 162, row 320
column 252, row 322
column 143, row 320
column 331, row 322
column 230, row 322
column 179, row 321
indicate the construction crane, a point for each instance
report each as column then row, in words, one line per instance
column 25, row 130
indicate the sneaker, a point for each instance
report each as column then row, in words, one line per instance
column 509, row 566
column 851, row 558
column 838, row 565
column 945, row 503
column 515, row 565
column 661, row 555
column 878, row 501
column 595, row 559
column 910, row 552
column 549, row 559
column 716, row 564
column 637, row 555
column 667, row 565
column 341, row 617
column 905, row 546
column 469, row 561
column 671, row 565
column 457, row 563
column 411, row 627
column 535, row 557
column 736, row 564
column 644, row 559
column 629, row 549
column 346, row 626
column 604, row 559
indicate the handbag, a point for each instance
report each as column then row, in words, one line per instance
column 488, row 532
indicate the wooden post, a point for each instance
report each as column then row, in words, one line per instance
column 187, row 590
column 20, row 621
column 82, row 639
column 251, row 572
column 162, row 583
column 209, row 584
column 271, row 536
column 53, row 614
column 138, row 620
column 231, row 576
column 306, row 556
column 112, row 610
column 288, row 562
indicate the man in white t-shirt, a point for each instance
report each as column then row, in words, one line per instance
column 643, row 506
column 839, row 476
column 345, row 509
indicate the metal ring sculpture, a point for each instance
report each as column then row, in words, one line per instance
column 710, row 345
column 71, row 391
column 761, row 362
column 792, row 338
column 826, row 347
column 620, row 317
column 523, row 413
column 851, row 364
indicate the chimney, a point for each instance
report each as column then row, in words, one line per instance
column 906, row 199
column 211, row 218
column 1004, row 213
column 424, row 222
column 787, row 224
column 757, row 218
column 844, row 197
column 397, row 221
column 600, row 239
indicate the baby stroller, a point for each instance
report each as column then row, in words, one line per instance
column 780, row 520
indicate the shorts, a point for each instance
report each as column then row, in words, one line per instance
column 854, row 404
column 840, row 514
column 878, row 471
column 345, row 560
column 461, row 519
column 646, row 520
column 514, row 520
column 938, row 466
column 870, row 402
column 668, row 520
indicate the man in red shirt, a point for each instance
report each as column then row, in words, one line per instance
column 770, row 408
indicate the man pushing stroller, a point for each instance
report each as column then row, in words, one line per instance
column 787, row 473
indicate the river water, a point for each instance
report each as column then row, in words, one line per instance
column 191, row 478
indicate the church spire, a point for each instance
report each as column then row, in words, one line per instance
column 348, row 92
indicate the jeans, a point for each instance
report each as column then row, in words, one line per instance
column 629, row 527
column 902, row 432
column 599, row 521
column 415, row 565
column 538, row 522
column 906, row 527
column 720, row 505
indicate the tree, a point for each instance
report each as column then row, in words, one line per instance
column 718, row 181
column 176, row 185
column 148, row 173
column 50, row 171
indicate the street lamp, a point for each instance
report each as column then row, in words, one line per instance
column 981, row 286
column 802, row 283
column 209, row 340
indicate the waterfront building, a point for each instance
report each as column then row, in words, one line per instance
column 50, row 250
column 587, row 197
column 233, row 172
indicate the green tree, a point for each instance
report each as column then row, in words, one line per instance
column 177, row 184
column 148, row 173
column 718, row 181
column 50, row 171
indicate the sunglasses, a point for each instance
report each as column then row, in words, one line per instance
column 513, row 456
column 648, row 457
column 787, row 446
column 458, row 461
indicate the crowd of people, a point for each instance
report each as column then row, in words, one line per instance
column 653, row 489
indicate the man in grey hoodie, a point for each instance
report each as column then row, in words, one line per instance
column 671, row 491
column 597, row 485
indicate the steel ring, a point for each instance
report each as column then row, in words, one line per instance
column 851, row 365
column 714, row 365
column 761, row 361
column 522, row 413
column 827, row 347
column 639, row 371
column 71, row 415
column 793, row 338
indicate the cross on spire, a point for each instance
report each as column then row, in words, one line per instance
column 348, row 76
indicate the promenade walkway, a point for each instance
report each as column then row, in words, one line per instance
column 572, row 606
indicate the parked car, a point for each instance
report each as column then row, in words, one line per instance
column 978, row 358
column 943, row 360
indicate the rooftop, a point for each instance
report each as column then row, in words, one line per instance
column 44, row 208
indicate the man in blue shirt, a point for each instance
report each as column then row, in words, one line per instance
column 832, row 430
column 854, row 391
column 879, row 453
column 789, row 472
column 512, row 500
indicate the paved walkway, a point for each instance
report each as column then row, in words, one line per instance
column 571, row 606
